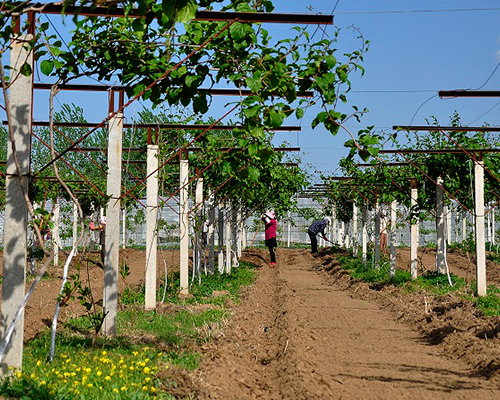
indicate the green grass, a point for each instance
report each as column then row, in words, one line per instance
column 431, row 282
column 135, row 363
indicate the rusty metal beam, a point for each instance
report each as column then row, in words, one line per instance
column 446, row 128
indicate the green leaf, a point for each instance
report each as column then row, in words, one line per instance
column 46, row 66
column 188, row 12
column 299, row 113
column 26, row 69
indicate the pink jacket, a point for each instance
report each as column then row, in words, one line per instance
column 271, row 227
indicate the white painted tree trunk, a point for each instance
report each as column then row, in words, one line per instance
column 392, row 232
column 364, row 244
column 355, row 239
column 377, row 234
column 75, row 226
column 220, row 260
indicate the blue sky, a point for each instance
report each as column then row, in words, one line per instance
column 417, row 48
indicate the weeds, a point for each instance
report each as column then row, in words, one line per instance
column 135, row 364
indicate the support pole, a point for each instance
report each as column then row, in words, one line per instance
column 198, row 248
column 124, row 227
column 414, row 232
column 112, row 229
column 480, row 242
column 364, row 244
column 56, row 240
column 211, row 234
column 229, row 229
column 440, row 227
column 354, row 229
column 392, row 232
column 220, row 257
column 151, row 226
column 75, row 225
column 448, row 211
column 377, row 234
column 184, row 226
column 16, row 211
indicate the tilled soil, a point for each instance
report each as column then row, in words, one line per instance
column 305, row 333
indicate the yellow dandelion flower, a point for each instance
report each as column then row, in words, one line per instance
column 147, row 379
column 43, row 383
column 88, row 370
column 32, row 376
column 19, row 374
column 153, row 389
column 147, row 370
column 38, row 363
column 135, row 353
column 99, row 373
column 145, row 388
column 145, row 349
column 78, row 369
column 108, row 378
column 146, row 360
column 123, row 388
column 115, row 390
column 166, row 366
column 104, row 353
column 159, row 354
column 132, row 368
column 90, row 385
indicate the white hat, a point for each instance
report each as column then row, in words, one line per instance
column 328, row 220
column 270, row 214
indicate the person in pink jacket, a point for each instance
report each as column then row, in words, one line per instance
column 271, row 225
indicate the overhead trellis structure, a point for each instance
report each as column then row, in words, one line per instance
column 22, row 127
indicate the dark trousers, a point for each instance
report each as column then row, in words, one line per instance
column 271, row 253
column 314, row 241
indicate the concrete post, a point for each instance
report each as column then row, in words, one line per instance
column 112, row 230
column 334, row 226
column 288, row 230
column 377, row 234
column 75, row 226
column 448, row 212
column 493, row 230
column 392, row 232
column 184, row 226
column 211, row 234
column 237, row 231
column 364, row 222
column 220, row 258
column 151, row 226
column 229, row 229
column 354, row 229
column 56, row 240
column 414, row 235
column 440, row 227
column 198, row 247
column 124, row 227
column 480, row 242
column 464, row 226
column 16, row 211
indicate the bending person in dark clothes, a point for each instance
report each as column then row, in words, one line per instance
column 318, row 227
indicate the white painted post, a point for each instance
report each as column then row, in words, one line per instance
column 238, row 231
column 392, row 232
column 493, row 230
column 124, row 227
column 229, row 229
column 112, row 230
column 448, row 211
column 480, row 242
column 151, row 226
column 440, row 228
column 354, row 229
column 198, row 247
column 75, row 225
column 334, row 226
column 414, row 234
column 464, row 226
column 211, row 234
column 16, row 211
column 184, row 226
column 377, row 234
column 56, row 240
column 364, row 244
column 289, row 230
column 220, row 259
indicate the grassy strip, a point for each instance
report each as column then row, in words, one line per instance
column 136, row 363
column 430, row 282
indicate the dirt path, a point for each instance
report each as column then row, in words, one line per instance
column 295, row 336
